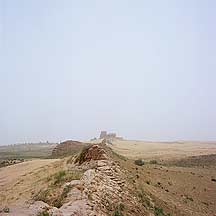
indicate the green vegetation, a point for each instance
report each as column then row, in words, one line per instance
column 6, row 210
column 9, row 162
column 144, row 199
column 160, row 212
column 189, row 198
column 139, row 162
column 119, row 210
column 59, row 177
column 55, row 194
column 153, row 162
column 42, row 195
column 59, row 201
column 44, row 213
column 63, row 176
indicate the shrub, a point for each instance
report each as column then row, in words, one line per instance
column 144, row 199
column 121, row 206
column 55, row 194
column 153, row 162
column 6, row 210
column 66, row 176
column 189, row 198
column 139, row 162
column 44, row 213
column 59, row 176
column 160, row 212
column 42, row 195
column 118, row 210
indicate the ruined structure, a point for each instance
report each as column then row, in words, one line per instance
column 68, row 147
column 102, row 189
column 109, row 136
column 92, row 152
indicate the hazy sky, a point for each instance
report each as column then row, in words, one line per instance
column 143, row 69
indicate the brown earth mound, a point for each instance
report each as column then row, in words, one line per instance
column 92, row 152
column 68, row 147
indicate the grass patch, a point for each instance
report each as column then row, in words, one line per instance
column 55, row 193
column 144, row 199
column 59, row 177
column 62, row 176
column 160, row 212
column 153, row 162
column 119, row 210
column 44, row 213
column 59, row 201
column 189, row 198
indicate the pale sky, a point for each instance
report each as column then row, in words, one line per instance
column 143, row 69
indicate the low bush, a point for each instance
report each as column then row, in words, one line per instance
column 44, row 213
column 65, row 176
column 139, row 162
column 55, row 194
column 160, row 212
column 59, row 200
column 153, row 162
column 59, row 176
column 6, row 210
column 119, row 210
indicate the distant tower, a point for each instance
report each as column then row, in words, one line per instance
column 103, row 134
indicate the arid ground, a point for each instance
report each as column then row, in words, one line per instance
column 162, row 150
column 177, row 178
column 183, row 178
column 18, row 181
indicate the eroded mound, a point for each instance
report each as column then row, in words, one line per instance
column 92, row 152
column 68, row 147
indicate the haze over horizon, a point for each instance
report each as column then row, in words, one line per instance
column 143, row 69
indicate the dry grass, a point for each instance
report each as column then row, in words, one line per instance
column 162, row 150
column 55, row 193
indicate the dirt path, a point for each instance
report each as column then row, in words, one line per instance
column 21, row 179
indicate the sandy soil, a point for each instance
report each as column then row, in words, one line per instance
column 162, row 150
column 180, row 191
column 19, row 181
